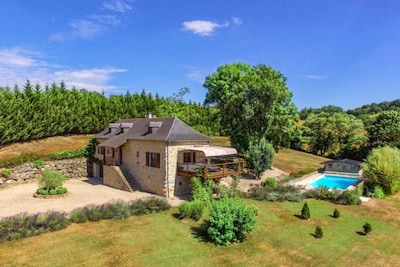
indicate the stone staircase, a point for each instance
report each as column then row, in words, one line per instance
column 129, row 178
column 127, row 186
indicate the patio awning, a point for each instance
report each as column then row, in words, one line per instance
column 215, row 151
column 114, row 142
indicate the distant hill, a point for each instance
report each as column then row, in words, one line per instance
column 368, row 109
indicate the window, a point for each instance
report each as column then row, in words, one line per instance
column 153, row 159
column 330, row 165
column 189, row 157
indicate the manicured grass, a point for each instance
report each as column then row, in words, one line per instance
column 280, row 239
column 290, row 161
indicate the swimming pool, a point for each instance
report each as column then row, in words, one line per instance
column 331, row 182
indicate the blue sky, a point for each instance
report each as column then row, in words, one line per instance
column 342, row 52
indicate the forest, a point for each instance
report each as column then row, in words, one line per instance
column 35, row 112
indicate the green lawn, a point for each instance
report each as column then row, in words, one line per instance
column 280, row 239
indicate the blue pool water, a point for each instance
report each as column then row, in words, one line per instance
column 331, row 182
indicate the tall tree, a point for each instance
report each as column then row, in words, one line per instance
column 254, row 103
column 385, row 131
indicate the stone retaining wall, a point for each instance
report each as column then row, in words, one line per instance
column 71, row 168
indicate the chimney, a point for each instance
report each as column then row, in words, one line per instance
column 149, row 115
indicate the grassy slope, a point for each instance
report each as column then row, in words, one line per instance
column 290, row 160
column 280, row 239
column 45, row 146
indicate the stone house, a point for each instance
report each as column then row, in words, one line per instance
column 159, row 155
column 344, row 166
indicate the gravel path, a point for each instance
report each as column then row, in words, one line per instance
column 19, row 198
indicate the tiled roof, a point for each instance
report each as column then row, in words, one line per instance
column 349, row 161
column 157, row 129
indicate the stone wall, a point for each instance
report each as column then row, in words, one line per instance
column 72, row 168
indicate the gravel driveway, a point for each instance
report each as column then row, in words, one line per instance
column 15, row 199
column 81, row 192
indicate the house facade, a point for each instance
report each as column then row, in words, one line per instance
column 348, row 166
column 159, row 155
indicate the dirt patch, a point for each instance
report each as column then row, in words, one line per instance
column 45, row 146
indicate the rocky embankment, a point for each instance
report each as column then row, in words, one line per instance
column 72, row 168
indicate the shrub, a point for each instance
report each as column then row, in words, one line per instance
column 192, row 209
column 229, row 221
column 23, row 225
column 202, row 190
column 378, row 192
column 51, row 179
column 367, row 228
column 52, row 192
column 293, row 197
column 93, row 213
column 269, row 183
column 42, row 191
column 136, row 207
column 348, row 197
column 336, row 213
column 318, row 232
column 120, row 210
column 305, row 212
column 62, row 190
column 382, row 167
column 78, row 216
column 38, row 163
column 155, row 204
column 6, row 173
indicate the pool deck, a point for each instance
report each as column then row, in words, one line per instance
column 307, row 179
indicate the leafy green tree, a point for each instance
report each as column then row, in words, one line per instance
column 260, row 157
column 51, row 179
column 382, row 168
column 385, row 131
column 333, row 133
column 254, row 103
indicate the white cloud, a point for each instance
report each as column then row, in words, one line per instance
column 202, row 27
column 16, row 57
column 17, row 65
column 86, row 29
column 93, row 25
column 236, row 20
column 314, row 77
column 118, row 5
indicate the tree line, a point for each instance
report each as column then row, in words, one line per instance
column 33, row 112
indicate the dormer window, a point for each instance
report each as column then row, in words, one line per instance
column 154, row 126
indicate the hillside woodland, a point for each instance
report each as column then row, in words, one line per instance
column 35, row 112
